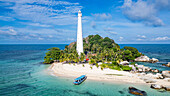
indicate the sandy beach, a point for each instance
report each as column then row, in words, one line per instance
column 70, row 70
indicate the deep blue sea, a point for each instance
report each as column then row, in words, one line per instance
column 22, row 73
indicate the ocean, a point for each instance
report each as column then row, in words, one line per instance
column 22, row 73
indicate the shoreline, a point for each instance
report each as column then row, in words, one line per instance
column 96, row 74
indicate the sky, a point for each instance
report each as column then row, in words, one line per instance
column 55, row 21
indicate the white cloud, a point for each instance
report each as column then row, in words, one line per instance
column 93, row 24
column 115, row 33
column 110, row 30
column 40, row 38
column 12, row 32
column 161, row 38
column 141, row 36
column 44, row 11
column 8, row 31
column 44, row 2
column 162, row 4
column 121, row 38
column 50, row 36
column 143, row 11
column 70, row 39
column 5, row 18
column 139, row 39
column 126, row 24
column 102, row 16
column 38, row 24
column 34, row 34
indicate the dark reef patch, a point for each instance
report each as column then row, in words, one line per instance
column 17, row 86
column 121, row 92
column 14, row 88
column 81, row 93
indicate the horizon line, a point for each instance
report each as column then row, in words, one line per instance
column 65, row 43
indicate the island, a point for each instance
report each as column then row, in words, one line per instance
column 104, row 60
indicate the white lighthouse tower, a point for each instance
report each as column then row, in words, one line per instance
column 79, row 47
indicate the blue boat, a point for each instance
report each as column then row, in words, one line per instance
column 80, row 79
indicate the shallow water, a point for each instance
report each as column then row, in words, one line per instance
column 22, row 73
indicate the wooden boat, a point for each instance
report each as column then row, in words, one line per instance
column 80, row 79
column 135, row 91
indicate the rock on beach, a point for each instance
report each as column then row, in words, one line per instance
column 166, row 74
column 146, row 59
column 155, row 86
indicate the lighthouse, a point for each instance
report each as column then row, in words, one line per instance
column 79, row 46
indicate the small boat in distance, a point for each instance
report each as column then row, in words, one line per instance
column 80, row 79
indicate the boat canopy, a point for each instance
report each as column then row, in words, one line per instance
column 82, row 76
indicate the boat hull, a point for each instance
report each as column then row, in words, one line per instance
column 78, row 83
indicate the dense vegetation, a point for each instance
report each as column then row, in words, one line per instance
column 97, row 49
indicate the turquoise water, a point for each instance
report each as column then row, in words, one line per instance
column 22, row 73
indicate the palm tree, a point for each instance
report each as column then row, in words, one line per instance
column 89, row 55
column 66, row 57
column 82, row 57
column 76, row 57
column 98, row 57
column 112, row 54
column 61, row 56
column 107, row 54
column 66, row 49
column 71, row 57
column 115, row 56
column 103, row 56
column 92, row 61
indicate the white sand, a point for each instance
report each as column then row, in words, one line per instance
column 70, row 70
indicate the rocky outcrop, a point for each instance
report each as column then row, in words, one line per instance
column 167, row 65
column 142, row 59
column 146, row 59
column 147, row 69
column 100, row 63
column 148, row 78
column 133, row 68
column 163, row 64
column 142, row 68
column 86, row 39
column 150, row 81
column 124, row 63
column 167, row 88
column 158, row 76
column 155, row 86
column 167, row 79
column 155, row 70
column 166, row 74
column 71, row 45
column 153, row 60
column 136, row 91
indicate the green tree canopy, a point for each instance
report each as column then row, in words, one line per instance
column 52, row 54
column 96, row 48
